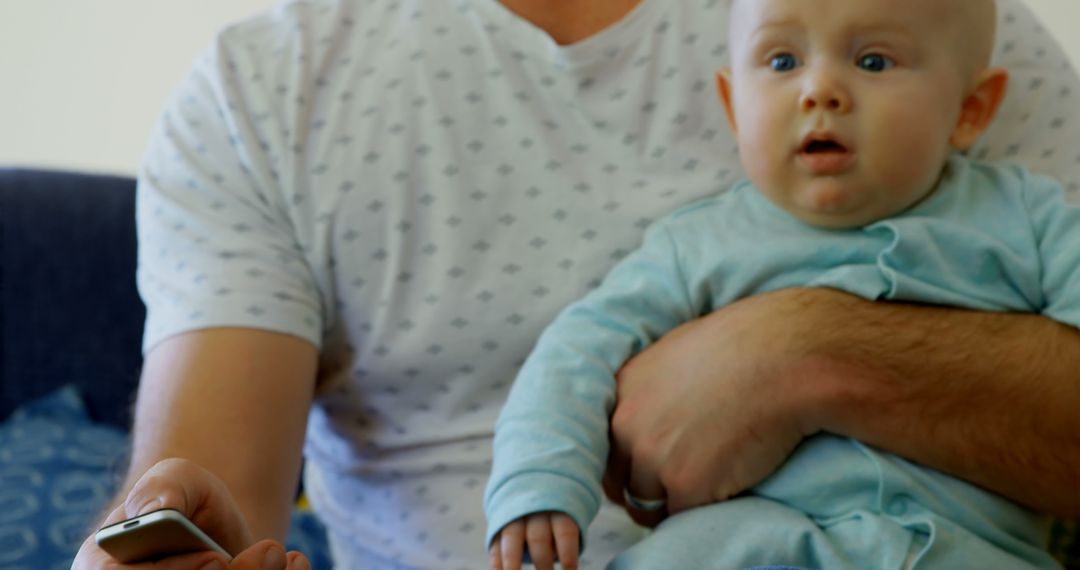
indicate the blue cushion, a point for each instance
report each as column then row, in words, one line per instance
column 58, row 470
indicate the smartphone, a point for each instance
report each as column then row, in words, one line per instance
column 155, row 535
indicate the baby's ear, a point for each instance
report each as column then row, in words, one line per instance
column 979, row 108
column 723, row 88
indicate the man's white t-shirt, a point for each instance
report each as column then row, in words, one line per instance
column 416, row 187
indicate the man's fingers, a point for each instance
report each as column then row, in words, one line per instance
column 538, row 536
column 639, row 479
column 644, row 485
column 567, row 540
column 263, row 555
column 689, row 499
column 198, row 560
column 512, row 544
column 170, row 483
column 118, row 514
column 495, row 554
column 617, row 474
column 198, row 494
column 297, row 561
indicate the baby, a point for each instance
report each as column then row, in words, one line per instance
column 851, row 116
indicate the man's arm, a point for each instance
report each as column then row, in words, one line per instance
column 991, row 398
column 219, row 426
column 234, row 401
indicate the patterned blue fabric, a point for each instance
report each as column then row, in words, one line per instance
column 58, row 469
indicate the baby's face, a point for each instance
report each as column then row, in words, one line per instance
column 843, row 109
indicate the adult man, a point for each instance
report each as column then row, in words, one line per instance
column 368, row 210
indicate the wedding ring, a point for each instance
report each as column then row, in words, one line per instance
column 646, row 505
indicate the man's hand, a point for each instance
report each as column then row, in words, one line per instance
column 182, row 485
column 547, row 534
column 716, row 405
column 709, row 410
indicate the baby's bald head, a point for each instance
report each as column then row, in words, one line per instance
column 970, row 26
column 973, row 26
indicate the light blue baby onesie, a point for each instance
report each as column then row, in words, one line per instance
column 991, row 238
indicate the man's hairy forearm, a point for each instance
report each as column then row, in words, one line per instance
column 991, row 398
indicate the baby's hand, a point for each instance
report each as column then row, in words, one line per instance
column 546, row 534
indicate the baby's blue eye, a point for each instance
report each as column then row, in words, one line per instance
column 783, row 62
column 875, row 62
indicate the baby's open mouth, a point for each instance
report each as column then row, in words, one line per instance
column 822, row 146
column 825, row 154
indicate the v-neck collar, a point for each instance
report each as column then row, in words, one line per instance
column 534, row 41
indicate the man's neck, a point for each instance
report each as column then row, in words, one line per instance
column 570, row 21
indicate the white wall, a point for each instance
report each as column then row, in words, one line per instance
column 1062, row 18
column 82, row 81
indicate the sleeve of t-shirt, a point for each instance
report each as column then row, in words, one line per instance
column 1056, row 225
column 551, row 439
column 216, row 245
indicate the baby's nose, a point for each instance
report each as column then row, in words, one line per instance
column 826, row 92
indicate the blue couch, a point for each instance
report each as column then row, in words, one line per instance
column 69, row 312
